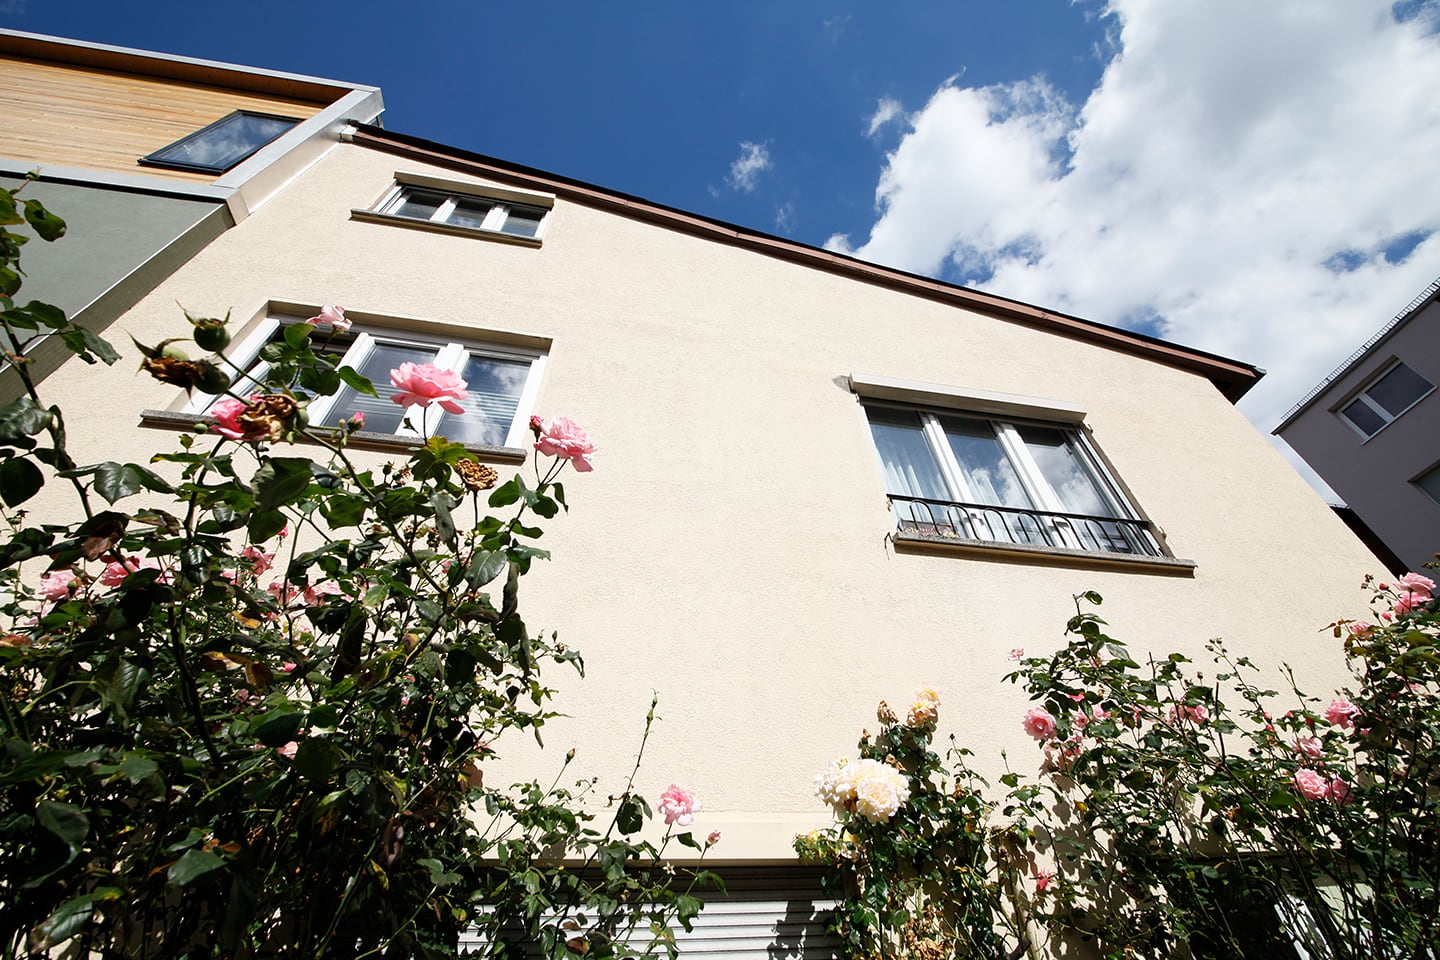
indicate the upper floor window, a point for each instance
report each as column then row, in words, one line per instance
column 1395, row 390
column 489, row 214
column 222, row 144
column 501, row 381
column 965, row 477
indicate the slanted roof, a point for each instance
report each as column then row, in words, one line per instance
column 1232, row 378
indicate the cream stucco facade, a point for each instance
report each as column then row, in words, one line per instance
column 731, row 549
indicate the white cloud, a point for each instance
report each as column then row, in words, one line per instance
column 886, row 110
column 746, row 169
column 1235, row 178
column 785, row 217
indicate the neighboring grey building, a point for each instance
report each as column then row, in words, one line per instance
column 1372, row 431
column 148, row 158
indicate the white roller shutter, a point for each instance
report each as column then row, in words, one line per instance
column 766, row 913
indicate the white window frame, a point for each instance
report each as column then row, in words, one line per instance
column 450, row 354
column 1041, row 493
column 495, row 219
column 1363, row 395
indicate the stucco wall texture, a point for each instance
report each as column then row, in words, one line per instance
column 729, row 551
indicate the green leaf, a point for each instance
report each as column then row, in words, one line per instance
column 9, row 281
column 87, row 345
column 315, row 760
column 484, row 567
column 8, row 214
column 48, row 226
column 136, row 768
column 505, row 494
column 66, row 821
column 357, row 380
column 22, row 418
column 68, row 920
column 298, row 334
column 116, row 480
column 630, row 818
column 48, row 314
column 192, row 866
column 19, row 481
column 265, row 524
column 278, row 727
column 280, row 480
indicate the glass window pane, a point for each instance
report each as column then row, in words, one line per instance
column 381, row 413
column 1430, row 483
column 421, row 206
column 910, row 468
column 988, row 472
column 223, row 145
column 1064, row 468
column 523, row 221
column 470, row 213
column 493, row 388
column 1359, row 413
column 1398, row 389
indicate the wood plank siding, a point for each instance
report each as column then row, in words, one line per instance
column 98, row 119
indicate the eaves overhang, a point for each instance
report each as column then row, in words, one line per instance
column 1232, row 378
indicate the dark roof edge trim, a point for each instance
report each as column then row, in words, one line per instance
column 1231, row 377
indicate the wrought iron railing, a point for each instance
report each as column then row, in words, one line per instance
column 945, row 519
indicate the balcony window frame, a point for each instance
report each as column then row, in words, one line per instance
column 1362, row 397
column 159, row 160
column 450, row 351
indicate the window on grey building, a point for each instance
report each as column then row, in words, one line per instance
column 222, row 144
column 1395, row 390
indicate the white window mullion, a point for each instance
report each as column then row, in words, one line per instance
column 319, row 408
column 444, row 212
column 495, row 219
column 1041, row 493
column 520, row 426
column 945, row 459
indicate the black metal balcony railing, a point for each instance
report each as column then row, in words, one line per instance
column 946, row 519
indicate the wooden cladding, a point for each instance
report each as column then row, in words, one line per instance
column 104, row 120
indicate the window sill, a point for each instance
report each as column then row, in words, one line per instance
column 390, row 219
column 359, row 440
column 1043, row 556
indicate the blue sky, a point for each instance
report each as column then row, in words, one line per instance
column 1254, row 179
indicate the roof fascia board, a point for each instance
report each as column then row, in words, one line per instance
column 125, row 59
column 1233, row 378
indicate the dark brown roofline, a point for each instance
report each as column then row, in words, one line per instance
column 1231, row 377
column 144, row 63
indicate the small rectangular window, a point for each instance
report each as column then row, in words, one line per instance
column 221, row 145
column 485, row 214
column 951, row 476
column 501, row 382
column 1430, row 483
column 1384, row 399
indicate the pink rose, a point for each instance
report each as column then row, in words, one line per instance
column 226, row 413
column 1342, row 713
column 1018, row 653
column 1312, row 786
column 421, row 384
column 713, row 839
column 58, row 584
column 678, row 805
column 288, row 667
column 1415, row 583
column 115, row 573
column 288, row 751
column 1310, row 747
column 259, row 560
column 357, row 420
column 1039, row 723
column 564, row 438
column 1411, row 600
column 1044, row 879
column 1196, row 714
column 1360, row 629
column 1339, row 791
column 335, row 316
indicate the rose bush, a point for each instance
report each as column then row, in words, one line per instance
column 248, row 700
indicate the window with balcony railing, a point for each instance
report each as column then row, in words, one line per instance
column 952, row 476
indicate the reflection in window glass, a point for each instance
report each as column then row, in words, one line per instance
column 221, row 145
column 493, row 390
column 1398, row 389
column 381, row 413
column 910, row 470
column 1066, row 473
column 988, row 472
column 1360, row 414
